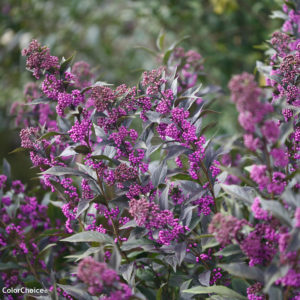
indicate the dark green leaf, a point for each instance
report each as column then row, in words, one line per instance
column 69, row 151
column 294, row 243
column 20, row 149
column 160, row 41
column 82, row 149
column 49, row 246
column 207, row 127
column 89, row 236
column 60, row 171
column 240, row 193
column 217, row 289
column 127, row 271
column 8, row 266
column 172, row 261
column 204, row 278
column 140, row 243
column 159, row 292
column 66, row 63
column 242, row 270
column 86, row 253
column 208, row 111
column 82, row 206
column 159, row 175
column 50, row 134
column 146, row 49
column 164, row 198
column 229, row 250
column 180, row 252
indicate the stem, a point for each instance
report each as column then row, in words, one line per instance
column 31, row 268
column 115, row 229
column 265, row 149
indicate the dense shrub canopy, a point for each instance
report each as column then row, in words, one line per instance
column 136, row 199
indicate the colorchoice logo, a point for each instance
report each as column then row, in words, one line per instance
column 23, row 290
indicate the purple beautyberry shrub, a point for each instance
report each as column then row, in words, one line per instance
column 112, row 157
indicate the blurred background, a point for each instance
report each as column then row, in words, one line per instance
column 107, row 34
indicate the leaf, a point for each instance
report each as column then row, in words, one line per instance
column 207, row 127
column 262, row 68
column 153, row 116
column 164, row 198
column 217, row 289
column 46, row 248
column 294, row 243
column 19, row 149
column 104, row 157
column 7, row 266
column 174, row 87
column 209, row 243
column 208, row 111
column 159, row 292
column 272, row 273
column 277, row 14
column 50, row 134
column 172, row 261
column 176, row 43
column 290, row 4
column 182, row 176
column 127, row 272
column 138, row 233
column 238, row 192
column 86, row 253
column 291, row 198
column 160, row 41
column 275, row 293
column 82, row 149
column 82, row 206
column 121, row 201
column 89, row 236
column 69, row 151
column 129, row 224
column 180, row 252
column 167, row 56
column 185, row 285
column 242, row 270
column 77, row 292
column 101, row 83
column 66, row 63
column 277, row 210
column 140, row 243
column 204, row 278
column 115, row 259
column 239, row 285
column 159, row 175
column 60, row 171
column 174, row 151
column 229, row 250
column 39, row 101
column 186, row 215
column 147, row 50
column 85, row 90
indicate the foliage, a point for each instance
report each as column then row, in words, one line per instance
column 152, row 208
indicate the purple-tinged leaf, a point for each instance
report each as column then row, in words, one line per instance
column 204, row 278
